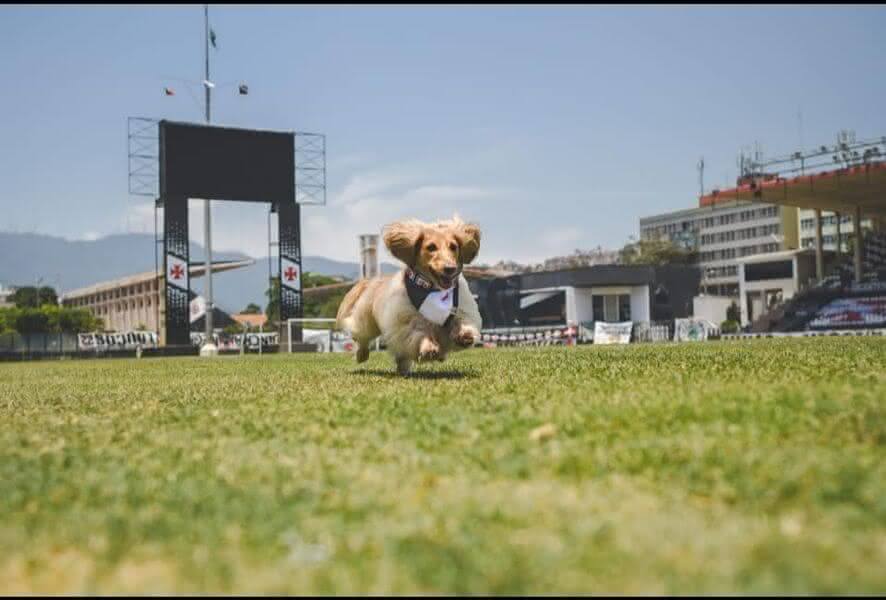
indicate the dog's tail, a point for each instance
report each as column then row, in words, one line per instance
column 347, row 304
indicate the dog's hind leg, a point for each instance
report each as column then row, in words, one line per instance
column 404, row 365
column 363, row 351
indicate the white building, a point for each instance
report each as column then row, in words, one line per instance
column 6, row 296
column 722, row 233
column 832, row 228
column 766, row 280
column 127, row 303
column 608, row 293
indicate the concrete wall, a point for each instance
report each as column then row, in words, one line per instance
column 584, row 309
column 712, row 308
column 640, row 308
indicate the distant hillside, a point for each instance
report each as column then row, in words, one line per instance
column 67, row 265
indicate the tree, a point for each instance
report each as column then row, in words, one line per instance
column 656, row 252
column 31, row 320
column 733, row 313
column 251, row 309
column 310, row 280
column 728, row 326
column 234, row 328
column 33, row 297
column 325, row 306
column 48, row 319
column 7, row 319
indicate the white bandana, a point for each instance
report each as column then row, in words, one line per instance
column 437, row 306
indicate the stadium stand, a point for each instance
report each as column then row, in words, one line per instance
column 851, row 312
column 837, row 302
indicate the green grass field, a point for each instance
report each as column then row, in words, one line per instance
column 719, row 467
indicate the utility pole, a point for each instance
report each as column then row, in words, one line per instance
column 208, row 349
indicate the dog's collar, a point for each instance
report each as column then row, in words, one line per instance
column 436, row 305
column 418, row 280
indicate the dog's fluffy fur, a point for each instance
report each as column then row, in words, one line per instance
column 381, row 306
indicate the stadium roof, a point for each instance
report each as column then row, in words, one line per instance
column 839, row 190
column 195, row 269
column 775, row 256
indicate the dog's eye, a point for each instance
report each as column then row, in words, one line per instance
column 432, row 247
column 453, row 247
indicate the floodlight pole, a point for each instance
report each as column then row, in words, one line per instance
column 208, row 349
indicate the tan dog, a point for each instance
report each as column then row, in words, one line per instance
column 413, row 310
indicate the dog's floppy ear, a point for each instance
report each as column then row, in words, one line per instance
column 402, row 239
column 468, row 235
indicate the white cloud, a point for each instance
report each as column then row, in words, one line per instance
column 543, row 244
column 366, row 202
column 372, row 199
column 558, row 238
column 373, row 195
column 139, row 218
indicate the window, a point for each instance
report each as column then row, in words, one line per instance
column 782, row 269
column 610, row 308
column 624, row 307
column 597, row 307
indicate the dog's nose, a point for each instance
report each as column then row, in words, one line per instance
column 449, row 271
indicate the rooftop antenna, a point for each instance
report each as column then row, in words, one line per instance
column 701, row 177
column 800, row 125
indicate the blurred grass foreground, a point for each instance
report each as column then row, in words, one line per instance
column 718, row 467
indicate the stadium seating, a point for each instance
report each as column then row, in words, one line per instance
column 837, row 301
column 851, row 312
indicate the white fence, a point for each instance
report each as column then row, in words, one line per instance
column 815, row 333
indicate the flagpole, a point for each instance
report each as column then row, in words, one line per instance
column 209, row 348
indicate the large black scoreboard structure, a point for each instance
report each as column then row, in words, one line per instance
column 196, row 161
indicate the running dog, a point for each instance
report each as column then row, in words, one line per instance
column 426, row 310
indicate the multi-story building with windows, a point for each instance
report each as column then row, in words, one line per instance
column 134, row 301
column 724, row 232
column 829, row 229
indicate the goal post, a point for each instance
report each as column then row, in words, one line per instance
column 299, row 321
column 330, row 333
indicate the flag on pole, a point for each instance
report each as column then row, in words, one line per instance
column 208, row 83
column 169, row 91
column 212, row 38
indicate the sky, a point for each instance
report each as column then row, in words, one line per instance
column 553, row 128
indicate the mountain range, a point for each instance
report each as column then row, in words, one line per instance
column 26, row 258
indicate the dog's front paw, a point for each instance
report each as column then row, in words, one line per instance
column 465, row 337
column 428, row 350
